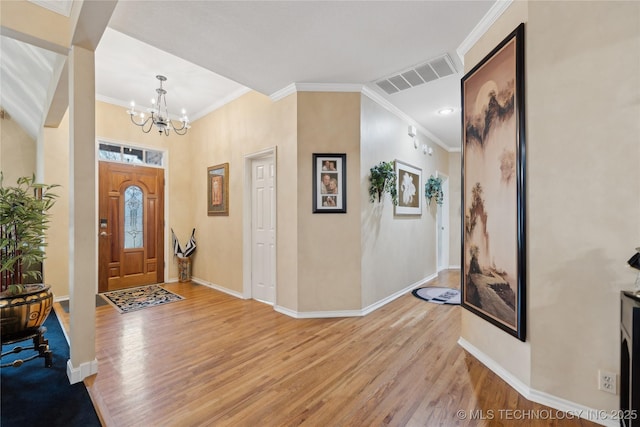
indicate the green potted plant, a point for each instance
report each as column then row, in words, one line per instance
column 433, row 190
column 383, row 180
column 24, row 219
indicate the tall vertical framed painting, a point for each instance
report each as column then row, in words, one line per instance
column 329, row 183
column 218, row 190
column 493, row 181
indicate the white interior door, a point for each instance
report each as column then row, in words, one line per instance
column 442, row 221
column 263, row 230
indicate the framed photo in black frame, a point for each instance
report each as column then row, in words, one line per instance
column 329, row 183
column 493, row 187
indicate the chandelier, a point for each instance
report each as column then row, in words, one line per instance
column 159, row 115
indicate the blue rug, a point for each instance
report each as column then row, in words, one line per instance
column 33, row 395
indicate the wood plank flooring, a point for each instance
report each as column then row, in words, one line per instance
column 215, row 360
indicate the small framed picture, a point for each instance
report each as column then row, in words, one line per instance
column 409, row 182
column 329, row 183
column 218, row 190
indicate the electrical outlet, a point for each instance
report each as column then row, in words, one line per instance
column 607, row 382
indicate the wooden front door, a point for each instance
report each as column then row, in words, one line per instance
column 131, row 218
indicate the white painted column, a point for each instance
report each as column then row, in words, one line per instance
column 83, row 256
column 40, row 156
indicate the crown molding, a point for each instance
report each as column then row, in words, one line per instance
column 113, row 101
column 224, row 101
column 482, row 27
column 328, row 87
column 282, row 93
column 235, row 95
column 314, row 87
column 61, row 7
column 376, row 97
column 364, row 90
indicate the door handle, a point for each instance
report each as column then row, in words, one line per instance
column 104, row 234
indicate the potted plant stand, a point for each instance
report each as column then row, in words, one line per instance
column 24, row 305
column 21, row 318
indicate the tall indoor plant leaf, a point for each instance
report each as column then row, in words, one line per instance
column 24, row 220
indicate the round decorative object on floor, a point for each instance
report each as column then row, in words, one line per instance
column 438, row 295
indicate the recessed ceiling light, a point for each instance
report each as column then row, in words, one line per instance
column 446, row 111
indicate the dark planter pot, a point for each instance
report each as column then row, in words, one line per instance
column 25, row 313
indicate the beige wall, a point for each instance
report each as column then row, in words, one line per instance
column 17, row 151
column 583, row 181
column 112, row 125
column 506, row 350
column 328, row 244
column 247, row 125
column 56, row 171
column 312, row 274
column 397, row 251
column 584, row 186
column 455, row 209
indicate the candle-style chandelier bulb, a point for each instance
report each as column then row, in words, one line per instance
column 159, row 114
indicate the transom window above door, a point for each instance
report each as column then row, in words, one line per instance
column 128, row 154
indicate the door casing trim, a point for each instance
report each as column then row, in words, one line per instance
column 167, row 243
column 246, row 220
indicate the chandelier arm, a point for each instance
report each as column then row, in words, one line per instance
column 149, row 120
column 184, row 126
column 181, row 131
column 141, row 124
column 160, row 115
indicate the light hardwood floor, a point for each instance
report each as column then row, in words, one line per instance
column 215, row 360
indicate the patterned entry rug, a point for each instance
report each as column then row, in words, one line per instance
column 438, row 295
column 132, row 299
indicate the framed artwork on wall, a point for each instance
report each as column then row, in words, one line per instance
column 218, row 190
column 329, row 183
column 493, row 187
column 409, row 182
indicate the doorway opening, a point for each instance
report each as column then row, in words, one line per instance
column 442, row 224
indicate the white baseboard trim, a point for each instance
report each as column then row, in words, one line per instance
column 85, row 370
column 317, row 314
column 398, row 294
column 352, row 313
column 454, row 267
column 555, row 402
column 217, row 287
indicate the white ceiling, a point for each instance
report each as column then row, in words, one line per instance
column 213, row 51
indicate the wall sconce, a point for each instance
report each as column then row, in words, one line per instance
column 412, row 131
column 416, row 142
column 427, row 150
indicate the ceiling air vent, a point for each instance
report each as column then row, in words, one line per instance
column 433, row 69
